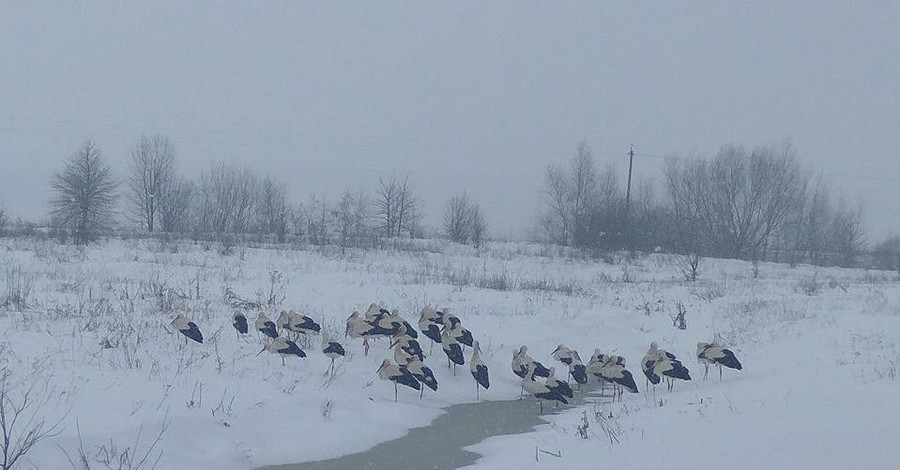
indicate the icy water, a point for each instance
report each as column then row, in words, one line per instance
column 440, row 445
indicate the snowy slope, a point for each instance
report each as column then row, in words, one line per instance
column 820, row 369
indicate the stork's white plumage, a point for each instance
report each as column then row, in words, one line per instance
column 266, row 326
column 452, row 349
column 540, row 389
column 479, row 370
column 187, row 327
column 239, row 322
column 715, row 353
column 332, row 350
column 283, row 347
column 397, row 375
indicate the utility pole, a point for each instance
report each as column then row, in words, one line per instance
column 628, row 190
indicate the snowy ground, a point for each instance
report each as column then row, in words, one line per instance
column 819, row 346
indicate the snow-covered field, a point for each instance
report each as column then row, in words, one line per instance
column 819, row 347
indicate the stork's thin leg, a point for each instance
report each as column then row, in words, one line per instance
column 720, row 371
column 366, row 346
column 421, row 391
column 477, row 391
column 395, row 392
column 282, row 361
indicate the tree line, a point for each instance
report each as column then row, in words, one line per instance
column 753, row 204
column 230, row 201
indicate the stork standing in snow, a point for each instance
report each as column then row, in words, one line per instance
column 265, row 326
column 452, row 349
column 715, row 353
column 658, row 363
column 187, row 327
column 422, row 373
column 297, row 323
column 239, row 321
column 479, row 370
column 540, row 389
column 614, row 371
column 570, row 358
column 283, row 347
column 520, row 362
column 397, row 375
column 332, row 349
column 460, row 334
column 406, row 348
column 430, row 322
column 558, row 386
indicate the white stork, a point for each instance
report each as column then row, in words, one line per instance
column 283, row 347
column 540, row 389
column 187, row 327
column 658, row 363
column 614, row 371
column 452, row 349
column 397, row 374
column 430, row 322
column 422, row 373
column 572, row 360
column 265, row 326
column 715, row 353
column 332, row 349
column 239, row 322
column 479, row 370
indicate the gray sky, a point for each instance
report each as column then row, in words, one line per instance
column 465, row 96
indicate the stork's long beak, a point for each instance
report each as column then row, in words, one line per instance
column 379, row 368
column 394, row 343
column 260, row 351
column 555, row 350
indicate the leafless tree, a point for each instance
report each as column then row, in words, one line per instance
column 175, row 205
column 227, row 198
column 738, row 200
column 272, row 209
column 464, row 221
column 84, row 193
column 848, row 234
column 21, row 423
column 479, row 225
column 458, row 218
column 886, row 254
column 361, row 218
column 397, row 208
column 344, row 218
column 152, row 168
column 4, row 219
column 556, row 221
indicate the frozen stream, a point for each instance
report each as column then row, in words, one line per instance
column 441, row 445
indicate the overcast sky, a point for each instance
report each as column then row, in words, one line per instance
column 465, row 96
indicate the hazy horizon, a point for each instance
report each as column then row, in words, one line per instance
column 464, row 97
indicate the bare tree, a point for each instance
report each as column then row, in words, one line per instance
column 556, row 221
column 84, row 193
column 361, row 217
column 886, row 254
column 4, row 219
column 227, row 198
column 848, row 234
column 152, row 167
column 397, row 208
column 174, row 206
column 458, row 218
column 344, row 220
column 21, row 423
column 479, row 225
column 272, row 209
column 738, row 200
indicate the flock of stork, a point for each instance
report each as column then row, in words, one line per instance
column 409, row 369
